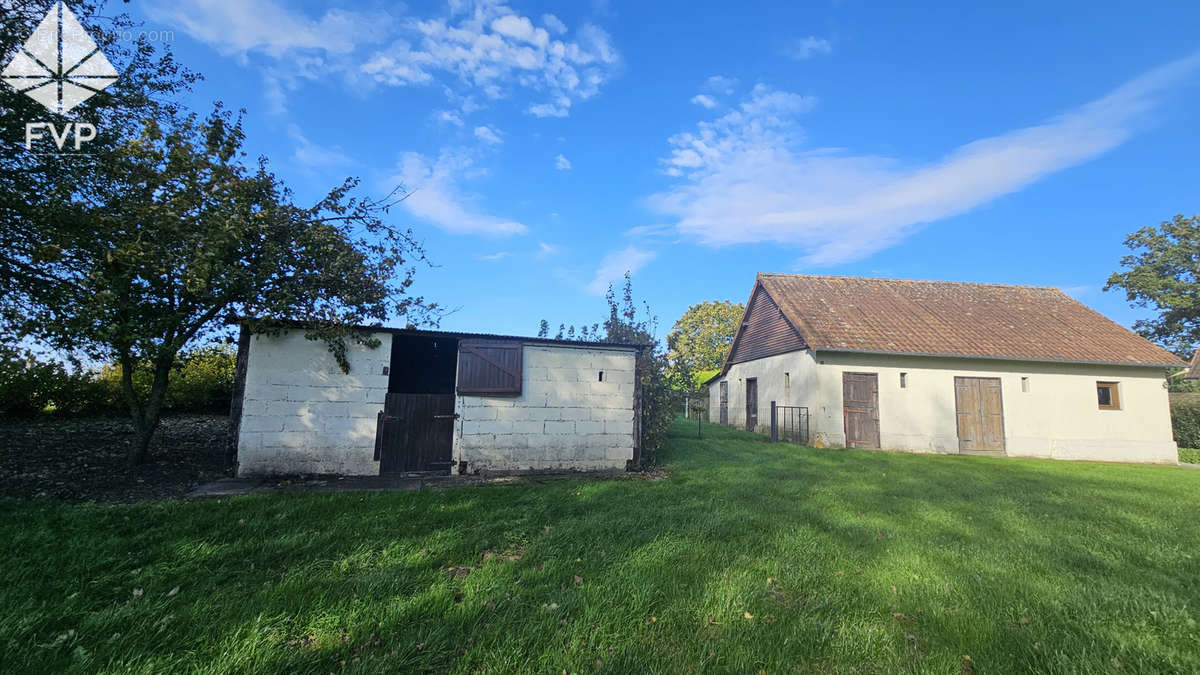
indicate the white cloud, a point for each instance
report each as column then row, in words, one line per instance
column 651, row 232
column 482, row 48
column 614, row 266
column 805, row 48
column 746, row 178
column 248, row 25
column 435, row 194
column 312, row 156
column 547, row 250
column 554, row 24
column 449, row 117
column 765, row 118
column 494, row 257
column 720, row 84
column 492, row 50
column 562, row 163
column 704, row 100
column 487, row 135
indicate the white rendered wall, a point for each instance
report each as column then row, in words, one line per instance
column 302, row 415
column 1058, row 417
column 566, row 418
column 787, row 379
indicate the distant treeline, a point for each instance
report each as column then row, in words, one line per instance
column 29, row 386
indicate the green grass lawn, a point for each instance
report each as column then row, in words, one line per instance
column 747, row 557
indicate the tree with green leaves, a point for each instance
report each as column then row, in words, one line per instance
column 1163, row 273
column 175, row 235
column 34, row 183
column 700, row 339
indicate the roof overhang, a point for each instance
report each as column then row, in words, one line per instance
column 992, row 357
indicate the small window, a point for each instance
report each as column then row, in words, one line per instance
column 904, row 380
column 1108, row 395
column 601, row 376
column 787, row 380
column 1025, row 384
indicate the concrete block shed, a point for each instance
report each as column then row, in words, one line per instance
column 434, row 402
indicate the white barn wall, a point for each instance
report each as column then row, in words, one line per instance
column 787, row 379
column 302, row 414
column 1057, row 418
column 564, row 419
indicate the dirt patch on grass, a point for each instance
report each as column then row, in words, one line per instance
column 84, row 459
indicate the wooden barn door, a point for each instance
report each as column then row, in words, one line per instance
column 860, row 409
column 979, row 408
column 415, row 433
column 724, row 403
column 751, row 403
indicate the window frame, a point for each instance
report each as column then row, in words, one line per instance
column 1114, row 396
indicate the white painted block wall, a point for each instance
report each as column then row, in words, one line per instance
column 566, row 418
column 302, row 415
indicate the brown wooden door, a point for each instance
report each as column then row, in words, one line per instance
column 979, row 407
column 415, row 433
column 860, row 409
column 724, row 389
column 751, row 403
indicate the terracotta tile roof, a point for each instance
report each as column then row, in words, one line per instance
column 954, row 319
column 1193, row 371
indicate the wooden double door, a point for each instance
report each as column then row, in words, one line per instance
column 978, row 403
column 979, row 409
column 415, row 433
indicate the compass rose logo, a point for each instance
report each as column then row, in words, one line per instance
column 60, row 65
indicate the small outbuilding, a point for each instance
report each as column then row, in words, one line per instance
column 945, row 367
column 434, row 402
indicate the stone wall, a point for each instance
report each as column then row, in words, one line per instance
column 566, row 417
column 302, row 414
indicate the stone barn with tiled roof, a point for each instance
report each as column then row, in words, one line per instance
column 945, row 367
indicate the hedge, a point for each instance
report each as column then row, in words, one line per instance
column 1185, row 420
column 202, row 382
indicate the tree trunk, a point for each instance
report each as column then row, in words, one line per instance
column 145, row 414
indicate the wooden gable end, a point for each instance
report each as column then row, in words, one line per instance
column 764, row 331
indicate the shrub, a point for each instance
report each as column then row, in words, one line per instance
column 26, row 385
column 202, row 382
column 1189, row 455
column 1185, row 420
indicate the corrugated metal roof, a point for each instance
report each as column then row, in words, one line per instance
column 477, row 336
column 956, row 319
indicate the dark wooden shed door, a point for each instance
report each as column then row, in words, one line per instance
column 979, row 407
column 860, row 409
column 751, row 403
column 415, row 432
column 724, row 402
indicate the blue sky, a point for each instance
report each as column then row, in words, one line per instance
column 552, row 146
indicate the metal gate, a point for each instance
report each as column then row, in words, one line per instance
column 789, row 424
